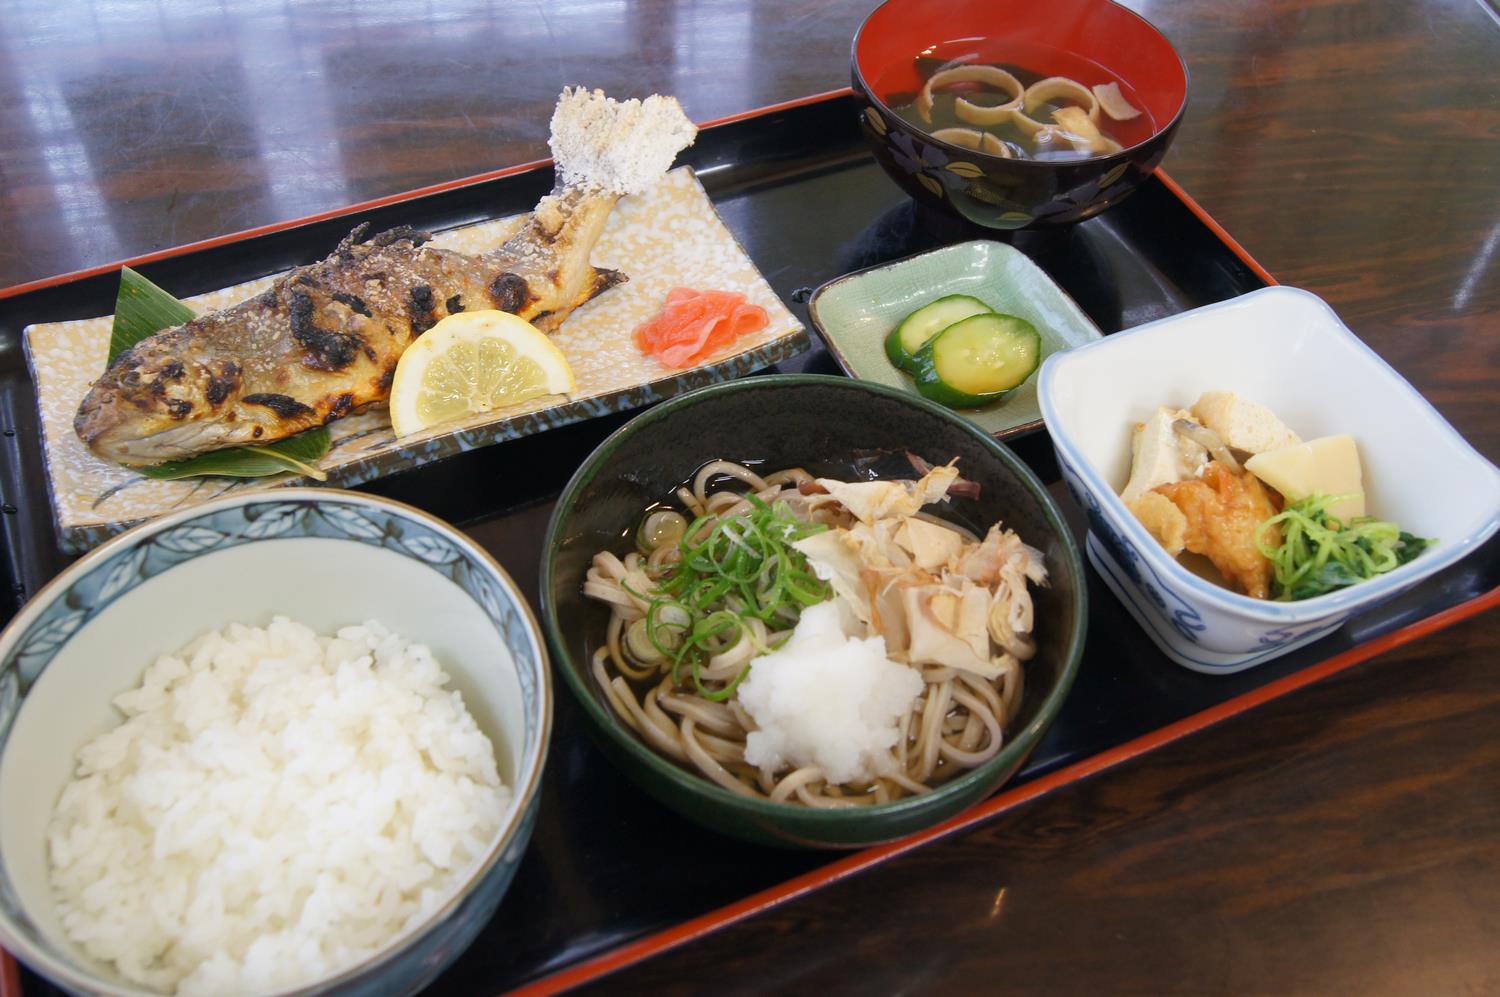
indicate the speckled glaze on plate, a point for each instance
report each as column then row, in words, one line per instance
column 855, row 313
column 822, row 424
column 667, row 237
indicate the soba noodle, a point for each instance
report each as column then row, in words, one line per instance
column 957, row 723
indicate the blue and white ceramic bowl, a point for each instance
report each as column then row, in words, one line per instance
column 324, row 558
column 1287, row 350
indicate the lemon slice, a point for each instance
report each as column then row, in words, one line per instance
column 474, row 362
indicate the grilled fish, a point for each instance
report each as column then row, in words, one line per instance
column 324, row 340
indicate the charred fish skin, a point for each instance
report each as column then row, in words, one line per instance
column 324, row 340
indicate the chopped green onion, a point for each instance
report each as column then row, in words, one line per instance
column 739, row 568
column 719, row 695
column 1319, row 553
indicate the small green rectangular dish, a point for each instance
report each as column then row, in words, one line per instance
column 854, row 313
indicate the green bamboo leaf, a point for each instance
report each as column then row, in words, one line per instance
column 141, row 310
column 295, row 453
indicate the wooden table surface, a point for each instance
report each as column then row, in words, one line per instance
column 1344, row 839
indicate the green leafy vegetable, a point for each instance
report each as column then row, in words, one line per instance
column 1319, row 553
column 741, row 567
column 142, row 310
column 295, row 453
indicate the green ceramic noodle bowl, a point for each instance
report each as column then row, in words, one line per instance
column 824, row 424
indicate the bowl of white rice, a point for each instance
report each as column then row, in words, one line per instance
column 278, row 743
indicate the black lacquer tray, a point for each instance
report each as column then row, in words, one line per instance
column 797, row 186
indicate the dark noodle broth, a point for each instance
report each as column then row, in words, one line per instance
column 870, row 466
column 899, row 88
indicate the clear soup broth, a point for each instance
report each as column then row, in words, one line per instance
column 901, row 86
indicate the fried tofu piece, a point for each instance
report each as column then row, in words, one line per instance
column 1223, row 511
column 1162, row 519
column 1242, row 424
column 1159, row 454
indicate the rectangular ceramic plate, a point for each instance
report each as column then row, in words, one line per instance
column 602, row 882
column 670, row 236
column 855, row 313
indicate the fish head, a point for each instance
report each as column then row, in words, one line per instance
column 149, row 408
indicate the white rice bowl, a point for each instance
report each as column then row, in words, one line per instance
column 276, row 807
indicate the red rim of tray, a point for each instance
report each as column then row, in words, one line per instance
column 692, row 929
column 594, row 968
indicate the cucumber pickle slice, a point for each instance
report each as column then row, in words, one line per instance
column 977, row 360
column 920, row 326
